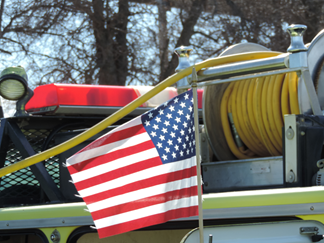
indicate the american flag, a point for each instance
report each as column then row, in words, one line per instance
column 143, row 172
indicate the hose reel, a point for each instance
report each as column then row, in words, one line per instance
column 251, row 111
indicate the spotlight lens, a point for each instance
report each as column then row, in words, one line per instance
column 12, row 89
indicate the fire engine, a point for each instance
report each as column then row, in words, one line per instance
column 261, row 148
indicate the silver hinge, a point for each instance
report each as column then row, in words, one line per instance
column 308, row 230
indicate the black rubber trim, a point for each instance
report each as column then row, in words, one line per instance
column 39, row 233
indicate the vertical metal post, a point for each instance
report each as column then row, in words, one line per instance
column 312, row 96
column 196, row 120
column 298, row 58
column 3, row 144
column 39, row 170
column 291, row 168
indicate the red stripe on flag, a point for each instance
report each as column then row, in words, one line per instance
column 145, row 202
column 106, row 158
column 148, row 221
column 140, row 184
column 114, row 174
column 115, row 136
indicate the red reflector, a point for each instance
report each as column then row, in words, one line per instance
column 200, row 95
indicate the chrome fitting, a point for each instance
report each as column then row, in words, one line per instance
column 296, row 32
column 183, row 53
column 298, row 57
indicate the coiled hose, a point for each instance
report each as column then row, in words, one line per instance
column 252, row 114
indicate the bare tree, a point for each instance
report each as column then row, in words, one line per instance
column 189, row 16
column 80, row 40
column 163, row 6
column 263, row 22
column 125, row 42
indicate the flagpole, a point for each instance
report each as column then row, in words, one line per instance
column 196, row 121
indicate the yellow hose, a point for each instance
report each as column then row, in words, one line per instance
column 258, row 111
column 293, row 94
column 276, row 105
column 236, row 116
column 130, row 107
column 245, row 116
column 270, row 114
column 264, row 114
column 285, row 104
column 251, row 115
column 227, row 129
column 258, row 107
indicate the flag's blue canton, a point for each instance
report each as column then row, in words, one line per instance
column 171, row 128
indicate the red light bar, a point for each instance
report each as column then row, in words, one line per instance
column 92, row 99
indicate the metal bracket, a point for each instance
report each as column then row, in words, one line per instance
column 298, row 60
column 204, row 146
column 312, row 96
column 308, row 230
column 290, row 149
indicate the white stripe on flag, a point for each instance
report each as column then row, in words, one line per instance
column 143, row 193
column 147, row 211
column 140, row 175
column 132, row 123
column 114, row 165
column 108, row 148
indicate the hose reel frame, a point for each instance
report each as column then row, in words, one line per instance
column 212, row 95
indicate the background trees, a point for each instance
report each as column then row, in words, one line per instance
column 125, row 42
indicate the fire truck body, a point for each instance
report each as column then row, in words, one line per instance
column 274, row 198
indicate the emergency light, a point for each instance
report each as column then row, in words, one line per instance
column 82, row 99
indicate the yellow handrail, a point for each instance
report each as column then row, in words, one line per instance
column 129, row 108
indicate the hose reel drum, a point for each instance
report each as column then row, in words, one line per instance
column 213, row 95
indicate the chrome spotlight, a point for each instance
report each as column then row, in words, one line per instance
column 13, row 86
